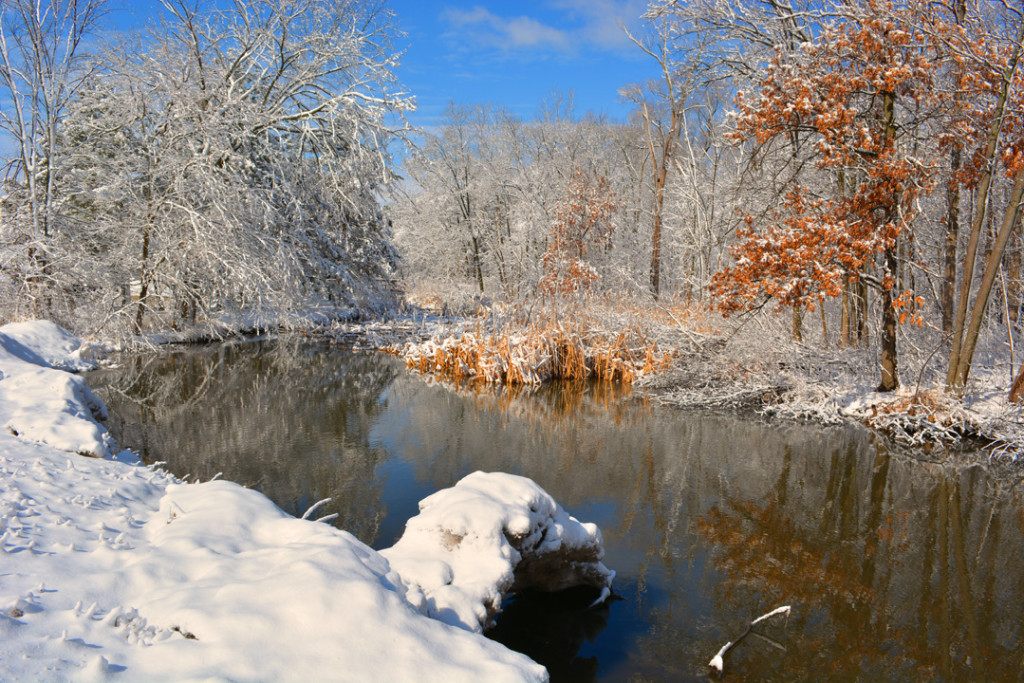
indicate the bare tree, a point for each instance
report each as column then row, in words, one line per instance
column 41, row 67
column 662, row 121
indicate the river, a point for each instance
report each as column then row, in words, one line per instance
column 896, row 567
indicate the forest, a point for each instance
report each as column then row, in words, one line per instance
column 808, row 175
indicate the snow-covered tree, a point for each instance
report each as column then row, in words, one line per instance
column 229, row 162
column 486, row 186
column 42, row 65
column 985, row 121
column 851, row 97
column 582, row 224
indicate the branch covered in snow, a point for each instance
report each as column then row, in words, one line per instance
column 315, row 506
column 718, row 661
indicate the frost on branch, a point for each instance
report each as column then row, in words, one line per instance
column 491, row 534
column 220, row 171
column 717, row 663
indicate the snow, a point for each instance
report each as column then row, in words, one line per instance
column 38, row 400
column 785, row 609
column 44, row 343
column 488, row 535
column 757, row 365
column 112, row 570
column 717, row 662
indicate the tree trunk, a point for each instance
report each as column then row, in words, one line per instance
column 1014, row 264
column 954, row 374
column 947, row 288
column 656, row 252
column 845, row 337
column 861, row 307
column 963, row 369
column 949, row 247
column 824, row 325
column 887, row 333
column 144, row 278
column 798, row 321
column 478, row 263
column 660, row 169
column 887, row 337
column 1017, row 388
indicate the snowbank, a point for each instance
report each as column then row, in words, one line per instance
column 38, row 400
column 113, row 570
column 490, row 534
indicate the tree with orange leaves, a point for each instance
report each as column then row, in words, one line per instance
column 848, row 100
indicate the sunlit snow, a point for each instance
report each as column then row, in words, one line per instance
column 118, row 571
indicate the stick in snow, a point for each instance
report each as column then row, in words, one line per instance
column 315, row 506
column 718, row 661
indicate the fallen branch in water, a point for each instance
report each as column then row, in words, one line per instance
column 718, row 663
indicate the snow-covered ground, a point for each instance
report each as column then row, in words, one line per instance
column 111, row 570
column 760, row 367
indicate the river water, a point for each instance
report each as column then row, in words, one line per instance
column 895, row 568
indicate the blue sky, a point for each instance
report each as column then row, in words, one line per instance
column 517, row 53
column 509, row 52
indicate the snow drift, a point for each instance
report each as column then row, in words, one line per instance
column 38, row 400
column 112, row 570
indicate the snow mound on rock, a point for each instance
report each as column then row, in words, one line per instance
column 490, row 534
column 118, row 569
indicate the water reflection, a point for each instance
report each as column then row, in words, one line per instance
column 281, row 416
column 896, row 569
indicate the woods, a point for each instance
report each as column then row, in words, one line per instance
column 759, row 319
column 223, row 165
column 860, row 162
column 804, row 157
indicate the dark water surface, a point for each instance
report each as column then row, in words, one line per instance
column 896, row 569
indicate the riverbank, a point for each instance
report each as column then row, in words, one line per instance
column 786, row 380
column 115, row 569
column 752, row 365
column 704, row 361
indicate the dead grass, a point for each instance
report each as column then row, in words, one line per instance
column 517, row 354
column 931, row 404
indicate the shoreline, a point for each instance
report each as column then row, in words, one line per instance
column 705, row 376
column 114, row 567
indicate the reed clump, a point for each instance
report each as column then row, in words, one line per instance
column 537, row 352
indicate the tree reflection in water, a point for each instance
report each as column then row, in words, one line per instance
column 280, row 416
column 896, row 569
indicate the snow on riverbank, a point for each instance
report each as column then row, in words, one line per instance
column 38, row 400
column 111, row 570
column 761, row 368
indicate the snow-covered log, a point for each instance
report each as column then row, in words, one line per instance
column 489, row 535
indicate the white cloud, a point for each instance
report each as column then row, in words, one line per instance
column 600, row 22
column 571, row 26
column 508, row 33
